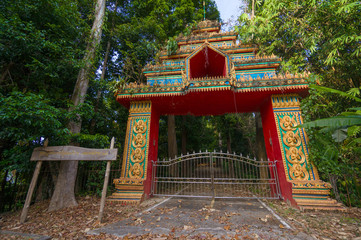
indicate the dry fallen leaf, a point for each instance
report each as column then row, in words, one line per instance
column 187, row 227
column 263, row 219
column 281, row 226
column 139, row 221
column 227, row 227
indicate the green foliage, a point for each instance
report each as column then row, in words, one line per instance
column 41, row 44
column 336, row 147
column 322, row 37
column 25, row 120
column 172, row 46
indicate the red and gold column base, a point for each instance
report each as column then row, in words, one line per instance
column 129, row 191
column 314, row 195
column 308, row 191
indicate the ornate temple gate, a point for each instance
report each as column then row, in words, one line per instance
column 215, row 175
column 211, row 73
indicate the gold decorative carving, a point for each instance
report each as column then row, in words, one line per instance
column 139, row 141
column 295, row 159
column 299, row 172
column 295, row 156
column 288, row 123
column 290, row 100
column 292, row 139
column 136, row 171
column 140, row 127
column 137, row 155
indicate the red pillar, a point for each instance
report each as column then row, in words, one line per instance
column 152, row 150
column 273, row 148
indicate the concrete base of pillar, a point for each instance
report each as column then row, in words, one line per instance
column 128, row 190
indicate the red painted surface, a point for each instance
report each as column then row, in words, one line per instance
column 152, row 149
column 207, row 63
column 274, row 150
column 209, row 103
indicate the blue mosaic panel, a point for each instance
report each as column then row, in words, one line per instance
column 250, row 76
column 160, row 81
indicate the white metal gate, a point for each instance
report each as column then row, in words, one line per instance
column 216, row 175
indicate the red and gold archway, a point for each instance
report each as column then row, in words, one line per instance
column 211, row 74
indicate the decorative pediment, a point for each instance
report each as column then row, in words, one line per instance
column 207, row 62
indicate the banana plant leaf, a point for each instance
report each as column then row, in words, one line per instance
column 335, row 122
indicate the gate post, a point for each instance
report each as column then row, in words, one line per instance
column 212, row 174
column 141, row 146
column 299, row 180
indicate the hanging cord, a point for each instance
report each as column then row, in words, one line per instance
column 235, row 102
column 206, row 62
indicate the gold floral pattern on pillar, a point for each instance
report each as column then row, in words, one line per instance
column 136, row 170
column 137, row 156
column 294, row 153
column 292, row 140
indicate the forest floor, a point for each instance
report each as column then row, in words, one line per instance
column 80, row 222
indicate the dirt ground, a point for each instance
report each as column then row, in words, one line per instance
column 78, row 222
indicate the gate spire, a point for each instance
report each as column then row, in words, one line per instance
column 204, row 10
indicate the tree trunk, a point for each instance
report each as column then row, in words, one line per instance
column 220, row 142
column 229, row 147
column 184, row 135
column 261, row 148
column 229, row 150
column 6, row 72
column 185, row 170
column 102, row 76
column 39, row 192
column 2, row 192
column 252, row 15
column 172, row 143
column 99, row 92
column 63, row 195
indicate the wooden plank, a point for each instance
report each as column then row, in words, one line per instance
column 71, row 153
column 24, row 213
column 105, row 186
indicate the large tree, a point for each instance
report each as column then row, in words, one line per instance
column 41, row 44
column 63, row 195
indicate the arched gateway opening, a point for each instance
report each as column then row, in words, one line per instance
column 211, row 74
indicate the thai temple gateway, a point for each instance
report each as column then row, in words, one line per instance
column 212, row 73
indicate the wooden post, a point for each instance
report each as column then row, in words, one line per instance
column 24, row 213
column 105, row 186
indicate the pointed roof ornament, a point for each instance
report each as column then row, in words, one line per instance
column 204, row 10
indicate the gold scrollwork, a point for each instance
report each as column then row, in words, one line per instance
column 295, row 156
column 140, row 126
column 292, row 139
column 294, row 152
column 138, row 141
column 299, row 172
column 137, row 155
column 287, row 123
column 136, row 171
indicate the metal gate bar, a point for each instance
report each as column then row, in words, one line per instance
column 216, row 175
